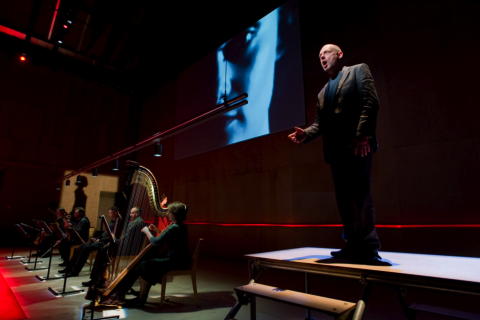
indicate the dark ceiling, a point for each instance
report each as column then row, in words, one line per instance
column 131, row 40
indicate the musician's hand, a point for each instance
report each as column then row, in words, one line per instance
column 362, row 147
column 163, row 204
column 153, row 228
column 145, row 230
column 298, row 136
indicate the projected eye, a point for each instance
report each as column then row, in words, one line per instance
column 238, row 47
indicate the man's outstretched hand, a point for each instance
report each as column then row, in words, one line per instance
column 298, row 136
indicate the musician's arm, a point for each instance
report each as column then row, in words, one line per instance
column 163, row 236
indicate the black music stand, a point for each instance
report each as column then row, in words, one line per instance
column 63, row 293
column 92, row 307
column 13, row 256
column 35, row 264
column 21, row 227
column 49, row 264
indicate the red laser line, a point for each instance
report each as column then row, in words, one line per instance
column 385, row 226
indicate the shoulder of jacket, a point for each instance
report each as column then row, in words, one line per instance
column 356, row 66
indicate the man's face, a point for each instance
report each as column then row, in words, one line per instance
column 329, row 57
column 133, row 213
column 247, row 64
column 76, row 214
column 112, row 214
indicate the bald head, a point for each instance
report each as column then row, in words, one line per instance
column 330, row 56
column 331, row 46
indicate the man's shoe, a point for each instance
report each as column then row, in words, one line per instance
column 63, row 271
column 134, row 303
column 63, row 264
column 87, row 283
column 342, row 254
column 72, row 274
column 373, row 261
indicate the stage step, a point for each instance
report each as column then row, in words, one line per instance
column 338, row 308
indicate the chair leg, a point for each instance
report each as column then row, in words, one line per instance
column 194, row 284
column 164, row 287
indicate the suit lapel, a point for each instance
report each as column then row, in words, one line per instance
column 345, row 72
column 321, row 97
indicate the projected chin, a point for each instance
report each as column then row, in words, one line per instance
column 247, row 64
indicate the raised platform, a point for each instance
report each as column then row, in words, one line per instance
column 450, row 273
column 433, row 272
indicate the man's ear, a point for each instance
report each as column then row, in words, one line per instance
column 340, row 54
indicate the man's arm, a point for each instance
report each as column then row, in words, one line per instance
column 311, row 132
column 368, row 113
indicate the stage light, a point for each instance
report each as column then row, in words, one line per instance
column 67, row 182
column 23, row 57
column 94, row 172
column 65, row 26
column 158, row 149
column 59, row 41
column 116, row 165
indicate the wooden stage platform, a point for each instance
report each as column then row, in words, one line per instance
column 432, row 272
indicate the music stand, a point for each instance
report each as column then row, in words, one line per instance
column 63, row 293
column 49, row 263
column 13, row 257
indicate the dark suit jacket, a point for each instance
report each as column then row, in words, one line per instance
column 352, row 115
column 82, row 226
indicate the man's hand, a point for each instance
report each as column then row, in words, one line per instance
column 298, row 136
column 153, row 228
column 362, row 147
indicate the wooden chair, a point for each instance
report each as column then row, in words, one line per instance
column 192, row 272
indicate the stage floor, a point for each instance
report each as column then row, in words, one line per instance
column 216, row 280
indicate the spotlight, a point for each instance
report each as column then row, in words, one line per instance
column 59, row 41
column 116, row 165
column 23, row 57
column 158, row 149
column 67, row 182
column 58, row 187
column 94, row 172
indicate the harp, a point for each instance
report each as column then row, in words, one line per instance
column 132, row 244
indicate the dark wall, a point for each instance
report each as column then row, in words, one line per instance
column 422, row 56
column 52, row 118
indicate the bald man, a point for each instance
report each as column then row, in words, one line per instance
column 346, row 116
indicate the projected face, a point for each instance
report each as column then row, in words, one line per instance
column 247, row 64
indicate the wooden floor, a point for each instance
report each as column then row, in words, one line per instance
column 217, row 278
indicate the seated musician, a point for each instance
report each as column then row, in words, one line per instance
column 134, row 226
column 81, row 253
column 77, row 231
column 174, row 254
